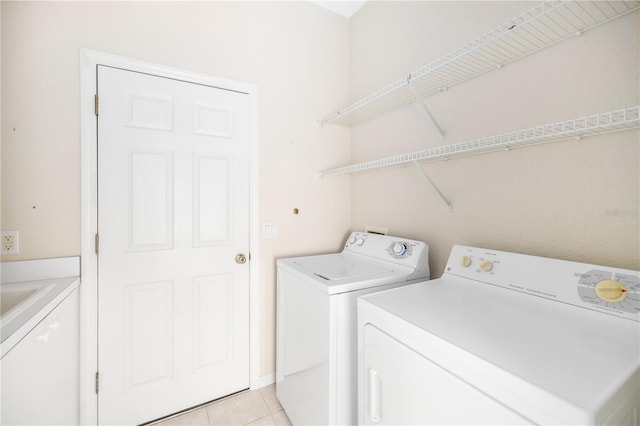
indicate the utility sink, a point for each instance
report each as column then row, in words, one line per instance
column 16, row 298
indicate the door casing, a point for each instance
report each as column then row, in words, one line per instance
column 89, row 59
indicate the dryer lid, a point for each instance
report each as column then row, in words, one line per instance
column 337, row 266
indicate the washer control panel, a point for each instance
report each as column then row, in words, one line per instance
column 609, row 290
column 411, row 253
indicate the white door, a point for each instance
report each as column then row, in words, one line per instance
column 173, row 213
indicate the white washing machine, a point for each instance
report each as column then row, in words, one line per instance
column 316, row 361
column 503, row 338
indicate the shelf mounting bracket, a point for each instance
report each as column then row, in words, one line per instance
column 424, row 173
column 421, row 101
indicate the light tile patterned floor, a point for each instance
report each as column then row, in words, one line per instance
column 257, row 407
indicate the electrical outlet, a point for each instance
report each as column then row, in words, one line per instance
column 10, row 242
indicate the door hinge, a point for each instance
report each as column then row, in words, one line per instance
column 97, row 381
column 97, row 105
column 97, row 243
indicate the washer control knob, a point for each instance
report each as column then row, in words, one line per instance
column 399, row 249
column 360, row 241
column 352, row 240
column 486, row 265
column 465, row 261
column 611, row 291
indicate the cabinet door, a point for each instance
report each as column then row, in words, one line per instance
column 23, row 371
column 62, row 363
column 40, row 374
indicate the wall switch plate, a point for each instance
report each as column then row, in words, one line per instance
column 10, row 242
column 270, row 230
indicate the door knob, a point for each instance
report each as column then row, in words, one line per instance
column 241, row 258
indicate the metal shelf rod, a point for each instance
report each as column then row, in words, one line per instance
column 607, row 122
column 424, row 173
column 424, row 106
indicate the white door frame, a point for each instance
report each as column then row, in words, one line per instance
column 89, row 59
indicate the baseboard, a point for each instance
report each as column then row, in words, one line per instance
column 263, row 381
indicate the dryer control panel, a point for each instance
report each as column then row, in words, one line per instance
column 605, row 288
column 601, row 288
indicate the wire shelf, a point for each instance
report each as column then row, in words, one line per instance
column 620, row 120
column 545, row 25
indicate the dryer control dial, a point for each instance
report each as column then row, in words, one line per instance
column 608, row 289
column 611, row 291
column 360, row 241
column 486, row 265
column 399, row 249
column 465, row 261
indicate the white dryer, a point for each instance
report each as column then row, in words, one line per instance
column 503, row 338
column 316, row 345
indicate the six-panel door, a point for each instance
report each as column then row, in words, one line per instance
column 173, row 212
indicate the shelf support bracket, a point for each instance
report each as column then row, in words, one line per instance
column 421, row 101
column 424, row 173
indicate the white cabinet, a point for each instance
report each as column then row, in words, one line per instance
column 40, row 373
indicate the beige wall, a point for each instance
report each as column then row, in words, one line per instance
column 295, row 52
column 575, row 200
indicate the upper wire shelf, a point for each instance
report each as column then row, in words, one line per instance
column 614, row 121
column 542, row 26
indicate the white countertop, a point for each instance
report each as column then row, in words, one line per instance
column 55, row 278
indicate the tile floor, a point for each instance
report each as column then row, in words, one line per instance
column 257, row 407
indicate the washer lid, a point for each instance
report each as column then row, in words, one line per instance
column 333, row 267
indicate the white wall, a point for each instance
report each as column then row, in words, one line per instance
column 575, row 200
column 297, row 54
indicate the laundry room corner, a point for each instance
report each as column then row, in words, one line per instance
column 575, row 199
column 238, row 190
